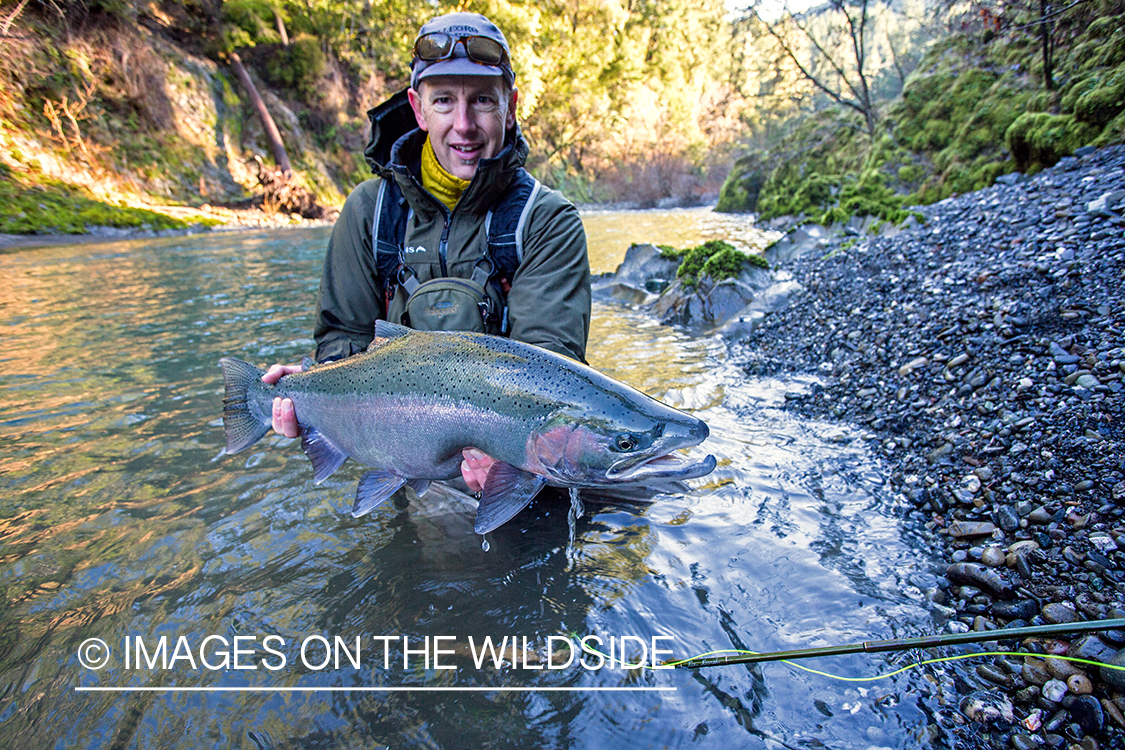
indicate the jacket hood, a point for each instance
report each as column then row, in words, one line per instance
column 395, row 150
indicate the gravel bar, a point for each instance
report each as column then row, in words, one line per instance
column 984, row 351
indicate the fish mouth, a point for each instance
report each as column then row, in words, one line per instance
column 667, row 466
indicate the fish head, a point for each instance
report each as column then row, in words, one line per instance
column 575, row 448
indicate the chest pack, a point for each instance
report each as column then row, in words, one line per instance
column 453, row 303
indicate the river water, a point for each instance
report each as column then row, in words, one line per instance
column 122, row 520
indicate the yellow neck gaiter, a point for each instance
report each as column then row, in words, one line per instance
column 446, row 187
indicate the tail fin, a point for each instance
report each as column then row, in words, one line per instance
column 243, row 426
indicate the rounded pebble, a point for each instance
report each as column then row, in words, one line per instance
column 1054, row 690
column 1079, row 684
column 987, row 707
column 1087, row 712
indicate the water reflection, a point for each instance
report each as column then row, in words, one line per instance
column 122, row 520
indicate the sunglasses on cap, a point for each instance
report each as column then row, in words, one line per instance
column 439, row 46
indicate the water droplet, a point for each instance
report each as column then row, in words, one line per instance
column 484, row 544
column 576, row 512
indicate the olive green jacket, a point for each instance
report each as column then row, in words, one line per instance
column 549, row 300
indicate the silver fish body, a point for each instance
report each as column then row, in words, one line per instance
column 408, row 406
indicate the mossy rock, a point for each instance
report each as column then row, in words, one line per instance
column 1113, row 133
column 695, row 258
column 743, row 185
column 1040, row 139
column 725, row 264
column 716, row 259
column 1103, row 101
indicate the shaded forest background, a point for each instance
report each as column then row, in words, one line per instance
column 850, row 107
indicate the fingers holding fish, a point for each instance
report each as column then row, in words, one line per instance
column 474, row 468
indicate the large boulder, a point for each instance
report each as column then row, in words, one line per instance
column 641, row 273
column 798, row 242
column 643, row 264
column 771, row 299
column 709, row 304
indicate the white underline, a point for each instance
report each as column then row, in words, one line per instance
column 421, row 689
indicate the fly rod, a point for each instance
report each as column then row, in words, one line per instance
column 903, row 644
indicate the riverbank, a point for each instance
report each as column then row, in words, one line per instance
column 985, row 352
column 225, row 220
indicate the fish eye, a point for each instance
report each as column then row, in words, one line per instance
column 625, row 442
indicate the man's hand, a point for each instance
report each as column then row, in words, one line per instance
column 284, row 417
column 474, row 468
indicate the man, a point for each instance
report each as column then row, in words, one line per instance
column 454, row 171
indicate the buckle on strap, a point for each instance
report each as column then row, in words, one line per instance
column 407, row 279
column 482, row 270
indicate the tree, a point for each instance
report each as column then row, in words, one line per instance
column 273, row 136
column 829, row 47
column 251, row 9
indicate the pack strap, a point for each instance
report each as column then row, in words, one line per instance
column 504, row 226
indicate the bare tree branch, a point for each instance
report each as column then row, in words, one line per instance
column 847, row 81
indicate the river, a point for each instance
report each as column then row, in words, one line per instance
column 287, row 623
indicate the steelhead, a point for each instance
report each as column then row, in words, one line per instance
column 409, row 404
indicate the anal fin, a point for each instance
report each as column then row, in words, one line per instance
column 325, row 456
column 507, row 491
column 375, row 487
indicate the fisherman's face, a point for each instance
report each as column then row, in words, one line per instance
column 466, row 117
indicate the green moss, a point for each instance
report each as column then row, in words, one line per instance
column 835, row 215
column 55, row 207
column 725, row 264
column 815, row 191
column 1103, row 101
column 670, row 253
column 743, row 185
column 910, row 173
column 985, row 173
column 1041, row 139
column 1113, row 133
column 696, row 259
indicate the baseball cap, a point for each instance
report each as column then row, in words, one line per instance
column 467, row 46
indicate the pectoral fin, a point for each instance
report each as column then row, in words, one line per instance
column 507, row 491
column 374, row 487
column 325, row 456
